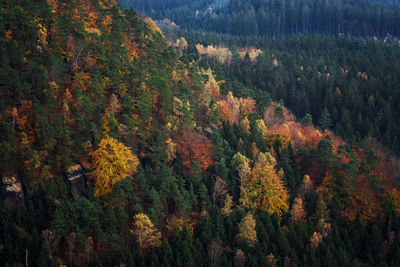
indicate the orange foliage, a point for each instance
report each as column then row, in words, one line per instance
column 82, row 80
column 247, row 106
column 23, row 114
column 133, row 49
column 90, row 17
column 194, row 147
column 106, row 23
column 289, row 130
column 232, row 108
column 9, row 35
column 364, row 201
column 276, row 135
column 53, row 4
column 394, row 197
column 298, row 211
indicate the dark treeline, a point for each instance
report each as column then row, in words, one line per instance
column 276, row 18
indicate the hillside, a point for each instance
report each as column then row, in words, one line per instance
column 353, row 81
column 119, row 149
column 276, row 18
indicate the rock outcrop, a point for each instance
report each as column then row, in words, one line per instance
column 11, row 191
column 77, row 181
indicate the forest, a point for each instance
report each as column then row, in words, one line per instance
column 274, row 18
column 128, row 143
column 354, row 81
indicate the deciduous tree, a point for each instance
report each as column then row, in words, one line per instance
column 226, row 210
column 146, row 232
column 264, row 191
column 247, row 229
column 112, row 162
column 298, row 211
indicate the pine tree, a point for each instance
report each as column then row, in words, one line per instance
column 325, row 121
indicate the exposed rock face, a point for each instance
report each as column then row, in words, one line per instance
column 77, row 182
column 11, row 191
column 208, row 132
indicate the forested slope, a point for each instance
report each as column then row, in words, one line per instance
column 354, row 82
column 119, row 149
column 277, row 18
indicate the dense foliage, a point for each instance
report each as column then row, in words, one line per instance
column 118, row 149
column 276, row 18
column 347, row 85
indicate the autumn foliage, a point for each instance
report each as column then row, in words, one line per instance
column 247, row 231
column 194, row 147
column 232, row 109
column 112, row 162
column 264, row 190
column 364, row 202
column 298, row 211
column 146, row 233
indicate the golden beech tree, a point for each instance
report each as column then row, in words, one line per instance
column 146, row 232
column 152, row 26
column 247, row 230
column 264, row 191
column 112, row 162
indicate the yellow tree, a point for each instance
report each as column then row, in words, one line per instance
column 241, row 164
column 146, row 232
column 226, row 210
column 112, row 162
column 247, row 230
column 264, row 191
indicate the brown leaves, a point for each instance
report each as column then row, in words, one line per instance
column 194, row 147
column 364, row 201
column 219, row 189
column 298, row 211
